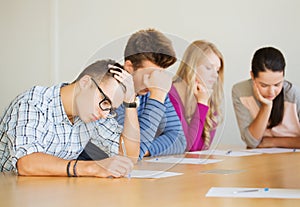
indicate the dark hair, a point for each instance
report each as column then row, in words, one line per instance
column 150, row 45
column 98, row 70
column 269, row 58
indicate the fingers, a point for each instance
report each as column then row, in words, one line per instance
column 119, row 73
column 256, row 91
column 126, row 80
column 159, row 78
column 202, row 93
column 202, row 89
column 114, row 70
column 117, row 166
column 146, row 80
column 110, row 66
column 259, row 96
column 123, row 166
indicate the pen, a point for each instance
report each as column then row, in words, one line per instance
column 245, row 191
column 124, row 153
column 228, row 152
column 250, row 190
column 124, row 149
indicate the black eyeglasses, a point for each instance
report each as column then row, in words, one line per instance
column 105, row 104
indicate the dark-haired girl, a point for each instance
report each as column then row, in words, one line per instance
column 267, row 107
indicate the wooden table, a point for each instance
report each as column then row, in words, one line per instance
column 267, row 170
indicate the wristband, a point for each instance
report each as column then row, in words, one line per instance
column 74, row 169
column 68, row 169
column 129, row 105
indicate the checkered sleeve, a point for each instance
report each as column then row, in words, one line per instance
column 107, row 136
column 27, row 125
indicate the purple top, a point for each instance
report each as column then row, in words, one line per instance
column 193, row 130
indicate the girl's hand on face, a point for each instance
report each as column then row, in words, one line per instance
column 259, row 97
column 126, row 80
column 202, row 93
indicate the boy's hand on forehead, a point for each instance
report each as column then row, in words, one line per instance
column 158, row 82
column 158, row 78
column 126, row 80
column 140, row 75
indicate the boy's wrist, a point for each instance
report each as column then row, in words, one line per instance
column 129, row 105
column 158, row 95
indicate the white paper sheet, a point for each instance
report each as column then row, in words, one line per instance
column 179, row 160
column 272, row 150
column 152, row 174
column 253, row 192
column 231, row 153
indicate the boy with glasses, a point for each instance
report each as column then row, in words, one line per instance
column 45, row 128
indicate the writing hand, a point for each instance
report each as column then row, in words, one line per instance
column 117, row 166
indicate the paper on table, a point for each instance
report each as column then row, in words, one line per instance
column 253, row 192
column 152, row 174
column 225, row 153
column 272, row 150
column 177, row 160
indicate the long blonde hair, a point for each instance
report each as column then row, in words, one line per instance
column 193, row 55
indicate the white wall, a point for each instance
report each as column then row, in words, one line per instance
column 49, row 41
column 24, row 47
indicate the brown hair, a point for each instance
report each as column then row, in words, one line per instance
column 150, row 45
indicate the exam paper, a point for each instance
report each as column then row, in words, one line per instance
column 231, row 153
column 253, row 192
column 180, row 160
column 152, row 174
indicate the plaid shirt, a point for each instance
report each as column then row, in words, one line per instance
column 36, row 122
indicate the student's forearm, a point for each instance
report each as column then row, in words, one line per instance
column 196, row 127
column 285, row 142
column 41, row 164
column 149, row 121
column 259, row 124
column 168, row 143
column 131, row 134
